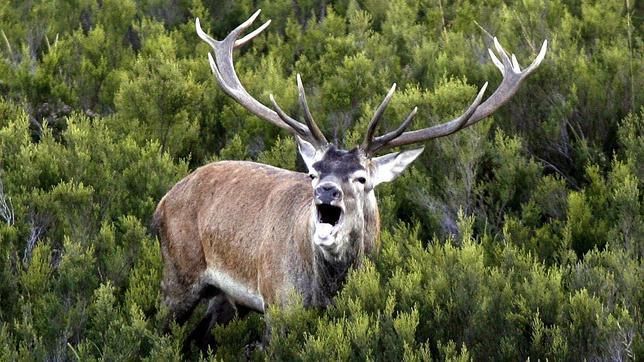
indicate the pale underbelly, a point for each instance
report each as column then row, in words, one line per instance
column 235, row 290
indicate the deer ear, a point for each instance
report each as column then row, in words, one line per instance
column 386, row 168
column 307, row 151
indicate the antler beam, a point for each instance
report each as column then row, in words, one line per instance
column 224, row 70
column 513, row 76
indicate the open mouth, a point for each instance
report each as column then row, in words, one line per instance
column 328, row 214
column 329, row 221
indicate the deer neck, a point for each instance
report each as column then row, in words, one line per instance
column 331, row 267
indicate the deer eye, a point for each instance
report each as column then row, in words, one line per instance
column 362, row 180
column 313, row 176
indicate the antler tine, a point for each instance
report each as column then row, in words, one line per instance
column 224, row 71
column 505, row 58
column 310, row 122
column 444, row 129
column 285, row 117
column 373, row 124
column 539, row 58
column 241, row 42
column 379, row 141
column 512, row 79
column 515, row 64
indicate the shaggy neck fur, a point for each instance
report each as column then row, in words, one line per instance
column 329, row 273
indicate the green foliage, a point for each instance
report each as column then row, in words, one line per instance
column 283, row 154
column 159, row 93
column 453, row 296
column 518, row 238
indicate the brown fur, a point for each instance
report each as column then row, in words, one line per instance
column 249, row 222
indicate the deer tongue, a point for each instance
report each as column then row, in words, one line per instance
column 323, row 231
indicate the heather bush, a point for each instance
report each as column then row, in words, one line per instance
column 518, row 238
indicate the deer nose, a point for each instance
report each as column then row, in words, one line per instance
column 327, row 193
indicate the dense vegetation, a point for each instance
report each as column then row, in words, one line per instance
column 521, row 237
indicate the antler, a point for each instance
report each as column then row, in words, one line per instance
column 224, row 71
column 513, row 76
column 370, row 145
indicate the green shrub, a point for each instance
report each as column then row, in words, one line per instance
column 518, row 238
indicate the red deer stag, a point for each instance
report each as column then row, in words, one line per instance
column 246, row 235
